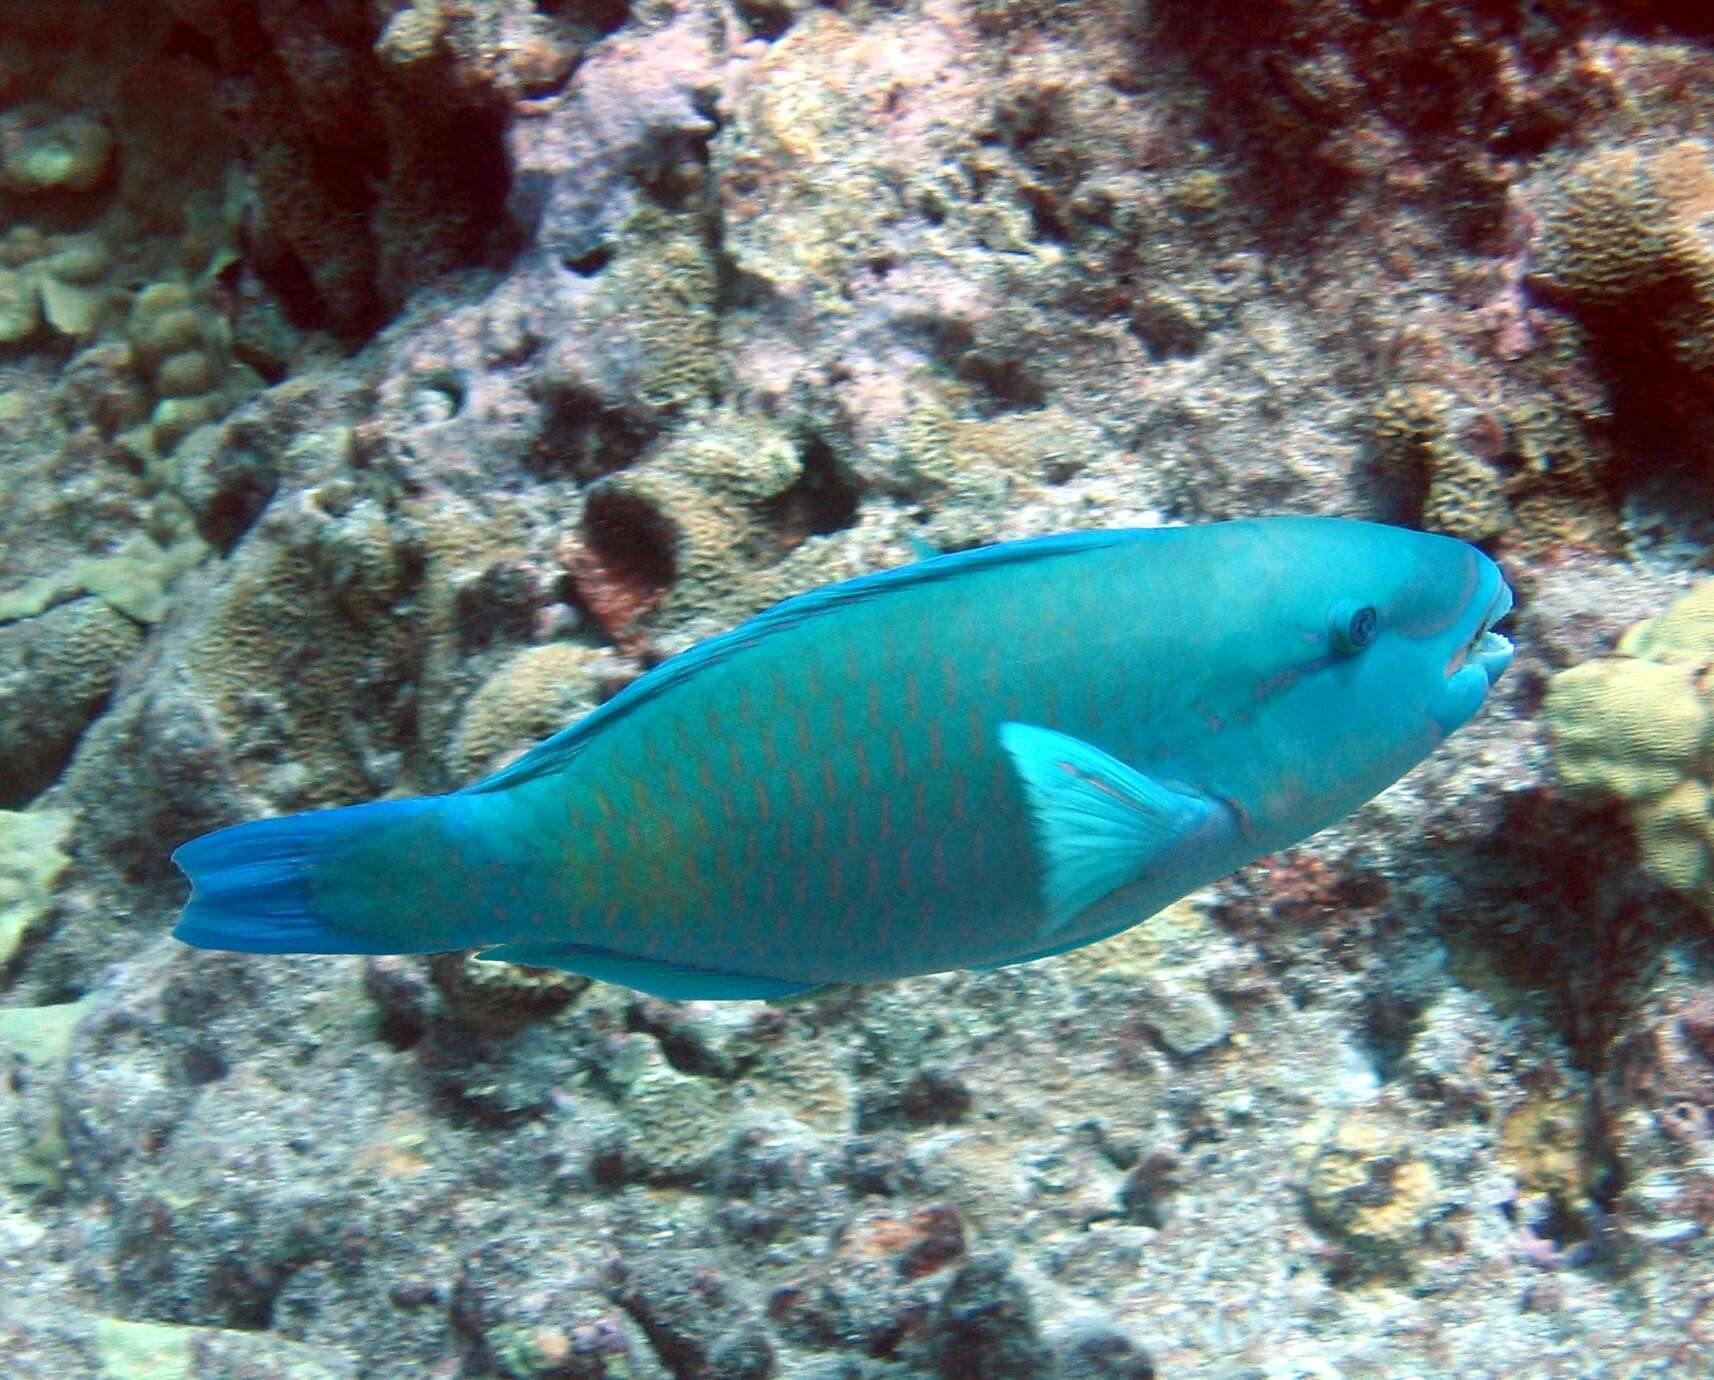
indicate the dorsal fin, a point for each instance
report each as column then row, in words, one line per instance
column 552, row 754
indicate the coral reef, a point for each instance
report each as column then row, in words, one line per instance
column 1365, row 1186
column 502, row 996
column 1417, row 437
column 382, row 386
column 183, row 353
column 537, row 691
column 375, row 141
column 314, row 608
column 42, row 1342
column 688, row 528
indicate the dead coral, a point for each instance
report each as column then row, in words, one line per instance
column 502, row 997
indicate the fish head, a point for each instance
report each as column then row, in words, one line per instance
column 1368, row 645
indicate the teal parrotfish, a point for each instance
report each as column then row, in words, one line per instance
column 980, row 759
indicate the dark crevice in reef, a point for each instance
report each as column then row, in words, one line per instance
column 1661, row 429
column 766, row 19
column 1693, row 18
column 1296, row 90
column 586, row 438
column 595, row 18
column 636, row 545
column 1579, row 940
column 1391, row 1018
column 1002, row 382
column 824, row 498
column 183, row 40
column 370, row 180
column 588, row 264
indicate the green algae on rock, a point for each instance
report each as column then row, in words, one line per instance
column 32, row 856
column 34, row 1041
column 40, row 1341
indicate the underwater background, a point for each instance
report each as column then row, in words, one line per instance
column 383, row 385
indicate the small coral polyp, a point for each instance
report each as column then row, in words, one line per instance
column 1635, row 728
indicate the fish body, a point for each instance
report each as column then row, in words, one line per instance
column 977, row 760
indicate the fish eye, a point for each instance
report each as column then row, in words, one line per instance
column 1352, row 626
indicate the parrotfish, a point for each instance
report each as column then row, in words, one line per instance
column 980, row 759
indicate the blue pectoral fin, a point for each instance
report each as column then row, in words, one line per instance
column 1099, row 824
column 674, row 981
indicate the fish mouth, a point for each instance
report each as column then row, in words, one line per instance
column 1486, row 648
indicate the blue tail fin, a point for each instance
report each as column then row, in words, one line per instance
column 287, row 885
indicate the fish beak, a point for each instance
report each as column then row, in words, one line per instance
column 1486, row 648
column 1473, row 668
column 1490, row 650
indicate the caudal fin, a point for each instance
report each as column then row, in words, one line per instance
column 327, row 882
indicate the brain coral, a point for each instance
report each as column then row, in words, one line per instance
column 302, row 654
column 1635, row 728
column 56, row 673
column 1626, row 230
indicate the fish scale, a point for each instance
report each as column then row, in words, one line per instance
column 972, row 791
column 981, row 759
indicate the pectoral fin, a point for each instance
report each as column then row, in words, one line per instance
column 1099, row 824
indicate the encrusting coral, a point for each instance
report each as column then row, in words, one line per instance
column 1634, row 727
column 1368, row 1188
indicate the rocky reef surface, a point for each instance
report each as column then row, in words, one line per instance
column 384, row 384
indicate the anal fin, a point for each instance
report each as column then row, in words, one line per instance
column 673, row 981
